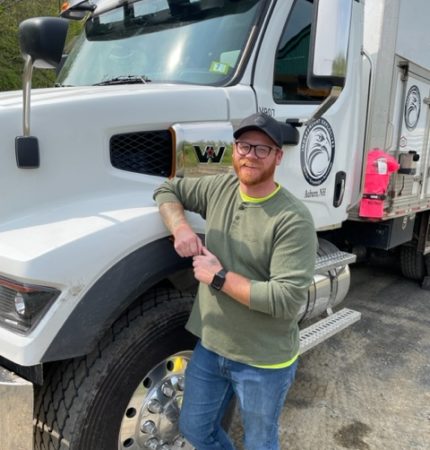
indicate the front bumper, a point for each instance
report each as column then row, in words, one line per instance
column 16, row 412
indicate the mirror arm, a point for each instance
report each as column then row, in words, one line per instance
column 26, row 78
column 325, row 105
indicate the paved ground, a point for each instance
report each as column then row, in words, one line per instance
column 369, row 386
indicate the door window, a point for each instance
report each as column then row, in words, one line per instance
column 292, row 55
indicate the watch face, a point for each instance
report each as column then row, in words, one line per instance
column 218, row 280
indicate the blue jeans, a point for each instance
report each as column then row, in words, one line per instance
column 210, row 382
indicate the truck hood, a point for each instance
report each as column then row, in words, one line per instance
column 74, row 126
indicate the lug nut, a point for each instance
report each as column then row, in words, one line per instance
column 181, row 383
column 167, row 389
column 148, row 427
column 165, row 447
column 152, row 444
column 179, row 399
column 155, row 407
column 179, row 442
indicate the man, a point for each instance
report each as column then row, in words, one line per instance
column 254, row 272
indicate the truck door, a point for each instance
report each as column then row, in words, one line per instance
column 318, row 170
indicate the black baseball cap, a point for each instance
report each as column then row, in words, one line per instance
column 264, row 123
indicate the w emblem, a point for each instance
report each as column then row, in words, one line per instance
column 210, row 154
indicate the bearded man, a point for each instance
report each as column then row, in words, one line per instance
column 254, row 271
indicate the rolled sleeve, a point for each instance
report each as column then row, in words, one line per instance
column 161, row 197
column 281, row 300
column 192, row 193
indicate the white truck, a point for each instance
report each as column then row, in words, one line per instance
column 93, row 298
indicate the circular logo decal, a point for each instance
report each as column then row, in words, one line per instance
column 412, row 107
column 317, row 152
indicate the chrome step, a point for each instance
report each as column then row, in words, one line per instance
column 333, row 260
column 325, row 328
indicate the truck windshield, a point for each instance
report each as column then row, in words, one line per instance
column 175, row 41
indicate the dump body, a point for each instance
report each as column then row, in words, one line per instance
column 395, row 37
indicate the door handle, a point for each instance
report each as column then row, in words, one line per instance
column 339, row 188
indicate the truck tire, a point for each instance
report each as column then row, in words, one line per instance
column 427, row 263
column 412, row 263
column 127, row 393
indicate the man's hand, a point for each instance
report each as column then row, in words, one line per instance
column 187, row 243
column 206, row 266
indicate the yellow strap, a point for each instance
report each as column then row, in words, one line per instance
column 247, row 198
column 280, row 365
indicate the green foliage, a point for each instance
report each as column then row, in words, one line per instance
column 12, row 12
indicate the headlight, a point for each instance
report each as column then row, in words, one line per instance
column 22, row 305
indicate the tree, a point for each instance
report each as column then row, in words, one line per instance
column 12, row 12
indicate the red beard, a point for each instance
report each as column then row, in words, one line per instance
column 252, row 173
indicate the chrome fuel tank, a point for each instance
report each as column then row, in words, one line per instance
column 329, row 288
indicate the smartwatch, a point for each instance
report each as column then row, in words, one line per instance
column 219, row 280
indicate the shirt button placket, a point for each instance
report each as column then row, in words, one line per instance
column 237, row 216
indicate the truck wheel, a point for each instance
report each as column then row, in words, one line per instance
column 127, row 393
column 412, row 263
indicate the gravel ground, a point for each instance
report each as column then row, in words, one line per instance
column 369, row 386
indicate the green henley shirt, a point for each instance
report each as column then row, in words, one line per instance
column 273, row 243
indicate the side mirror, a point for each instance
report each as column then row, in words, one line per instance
column 42, row 39
column 329, row 43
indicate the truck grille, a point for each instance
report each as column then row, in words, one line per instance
column 146, row 152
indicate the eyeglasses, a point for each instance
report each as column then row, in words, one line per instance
column 261, row 151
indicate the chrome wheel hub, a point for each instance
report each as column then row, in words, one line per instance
column 151, row 418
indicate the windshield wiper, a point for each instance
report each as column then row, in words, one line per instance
column 124, row 79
